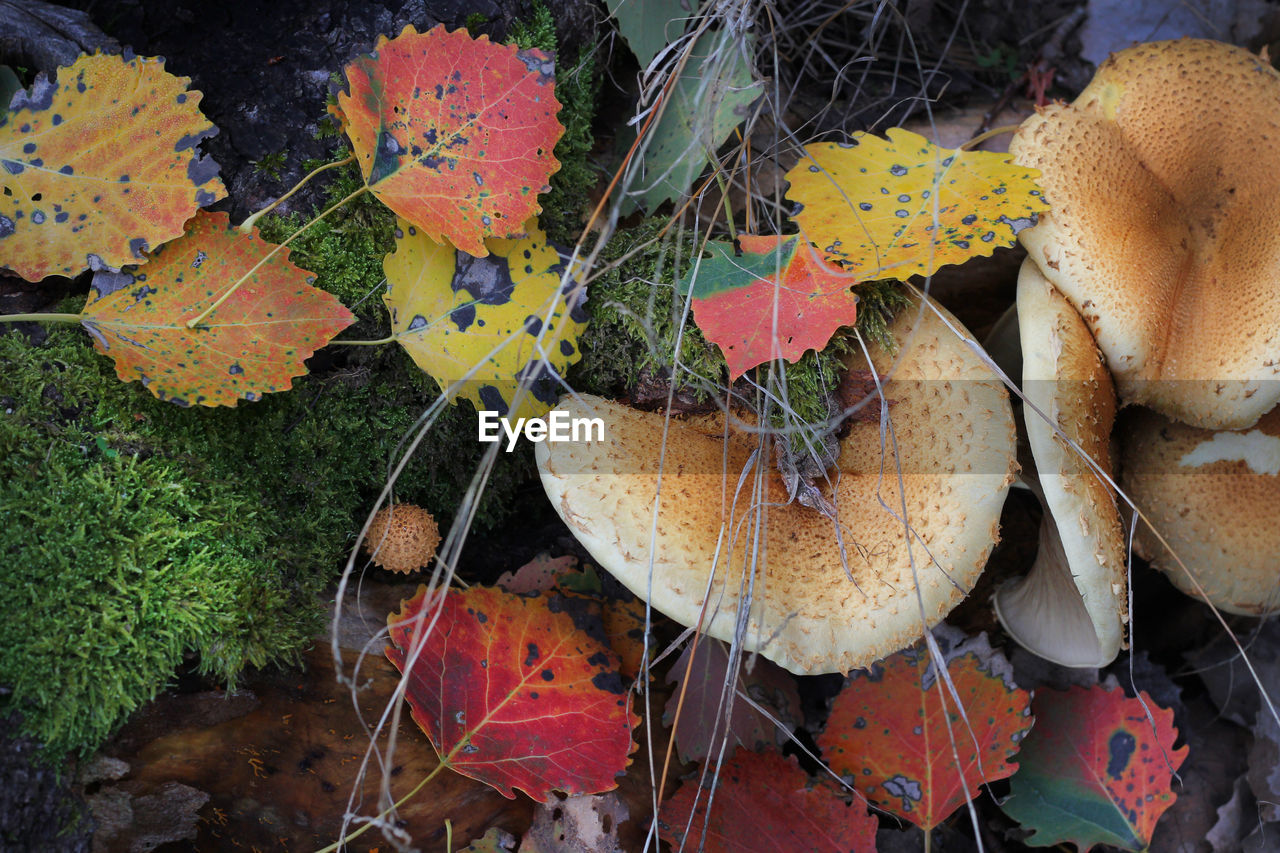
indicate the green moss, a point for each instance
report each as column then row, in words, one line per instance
column 132, row 530
column 577, row 89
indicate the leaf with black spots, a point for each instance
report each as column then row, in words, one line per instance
column 1096, row 770
column 486, row 327
column 901, row 207
column 256, row 341
column 454, row 134
column 513, row 693
column 100, row 166
column 890, row 734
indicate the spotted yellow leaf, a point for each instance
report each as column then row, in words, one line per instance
column 100, row 166
column 898, row 207
column 485, row 327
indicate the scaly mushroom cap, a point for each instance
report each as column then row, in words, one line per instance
column 402, row 538
column 708, row 549
column 1072, row 606
column 1164, row 181
column 1213, row 496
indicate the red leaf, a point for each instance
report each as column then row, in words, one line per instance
column 513, row 694
column 764, row 802
column 775, row 299
column 256, row 341
column 700, row 700
column 1096, row 770
column 455, row 134
column 537, row 575
column 888, row 732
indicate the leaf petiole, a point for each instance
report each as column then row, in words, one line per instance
column 391, row 339
column 356, row 833
column 199, row 318
column 40, row 318
column 246, row 227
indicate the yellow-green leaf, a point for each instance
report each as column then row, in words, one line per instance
column 483, row 327
column 901, row 207
column 100, row 166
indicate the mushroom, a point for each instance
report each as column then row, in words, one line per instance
column 1164, row 186
column 402, row 538
column 690, row 515
column 1212, row 496
column 1072, row 606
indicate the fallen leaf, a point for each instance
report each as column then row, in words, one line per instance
column 494, row 840
column 1095, row 770
column 776, row 298
column 537, row 575
column 649, row 25
column 624, row 626
column 711, row 97
column 586, row 824
column 698, row 709
column 889, row 734
column 100, row 166
column 253, row 344
column 454, row 134
column 764, row 802
column 901, row 207
column 512, row 693
column 491, row 324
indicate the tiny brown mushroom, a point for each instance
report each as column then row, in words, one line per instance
column 402, row 538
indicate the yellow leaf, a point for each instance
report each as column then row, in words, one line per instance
column 902, row 206
column 483, row 327
column 100, row 166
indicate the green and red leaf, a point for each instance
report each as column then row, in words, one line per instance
column 100, row 166
column 253, row 344
column 454, row 134
column 512, row 693
column 775, row 298
column 765, row 802
column 891, row 736
column 1096, row 770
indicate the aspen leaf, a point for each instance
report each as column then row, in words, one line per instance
column 1096, row 769
column 774, row 299
column 454, row 134
column 649, row 25
column 253, row 344
column 901, row 207
column 496, row 323
column 100, row 166
column 709, row 99
column 514, row 694
column 764, row 802
column 888, row 731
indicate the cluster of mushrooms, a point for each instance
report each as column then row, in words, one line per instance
column 1149, row 290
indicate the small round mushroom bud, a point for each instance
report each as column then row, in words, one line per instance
column 402, row 538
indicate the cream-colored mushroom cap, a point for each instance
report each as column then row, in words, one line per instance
column 711, row 542
column 1164, row 184
column 1214, row 497
column 1072, row 606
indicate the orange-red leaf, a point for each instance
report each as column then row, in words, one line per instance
column 1096, row 770
column 774, row 299
column 888, row 732
column 253, row 344
column 513, row 694
column 764, row 802
column 100, row 166
column 454, row 134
